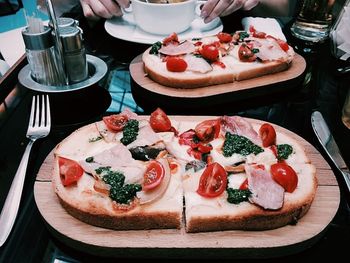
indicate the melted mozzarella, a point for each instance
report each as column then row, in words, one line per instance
column 266, row 157
column 236, row 180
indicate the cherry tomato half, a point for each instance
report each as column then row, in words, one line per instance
column 283, row 44
column 188, row 138
column 173, row 38
column 267, row 134
column 213, row 181
column 208, row 130
column 176, row 64
column 70, row 171
column 224, row 37
column 115, row 122
column 209, row 52
column 153, row 176
column 285, row 176
column 245, row 54
column 159, row 121
column 244, row 185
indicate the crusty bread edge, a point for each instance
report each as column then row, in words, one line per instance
column 133, row 221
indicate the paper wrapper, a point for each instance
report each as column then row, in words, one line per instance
column 340, row 34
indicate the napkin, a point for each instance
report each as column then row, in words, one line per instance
column 340, row 34
column 267, row 25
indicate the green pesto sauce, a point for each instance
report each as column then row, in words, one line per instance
column 239, row 144
column 130, row 132
column 155, row 48
column 283, row 151
column 243, row 35
column 236, row 196
column 119, row 192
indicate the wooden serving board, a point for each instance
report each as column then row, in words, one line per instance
column 251, row 87
column 169, row 243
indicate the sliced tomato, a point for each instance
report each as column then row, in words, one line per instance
column 194, row 153
column 159, row 121
column 204, row 148
column 173, row 38
column 176, row 64
column 208, row 130
column 285, row 176
column 188, row 138
column 115, row 122
column 245, row 54
column 283, row 44
column 210, row 52
column 224, row 37
column 267, row 134
column 70, row 171
column 153, row 176
column 244, row 185
column 213, row 181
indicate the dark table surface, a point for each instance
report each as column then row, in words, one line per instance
column 30, row 240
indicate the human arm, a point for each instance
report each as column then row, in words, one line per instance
column 214, row 8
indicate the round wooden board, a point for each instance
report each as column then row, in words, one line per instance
column 259, row 86
column 177, row 243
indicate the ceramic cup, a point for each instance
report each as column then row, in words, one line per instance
column 164, row 17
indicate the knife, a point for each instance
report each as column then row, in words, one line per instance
column 328, row 143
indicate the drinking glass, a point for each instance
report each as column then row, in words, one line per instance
column 314, row 20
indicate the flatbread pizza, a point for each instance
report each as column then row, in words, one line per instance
column 150, row 172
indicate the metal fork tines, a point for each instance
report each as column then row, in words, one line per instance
column 38, row 127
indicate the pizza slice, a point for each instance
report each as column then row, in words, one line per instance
column 120, row 176
column 217, row 59
column 249, row 176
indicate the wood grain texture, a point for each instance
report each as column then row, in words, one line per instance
column 177, row 243
column 296, row 69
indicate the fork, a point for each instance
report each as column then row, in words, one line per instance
column 38, row 127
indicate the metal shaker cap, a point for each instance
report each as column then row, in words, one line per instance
column 71, row 38
column 64, row 21
column 37, row 41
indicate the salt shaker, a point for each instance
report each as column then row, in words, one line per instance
column 74, row 54
column 40, row 53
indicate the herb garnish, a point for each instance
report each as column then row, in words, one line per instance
column 239, row 144
column 236, row 196
column 119, row 192
column 283, row 151
column 130, row 132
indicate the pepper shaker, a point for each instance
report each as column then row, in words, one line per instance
column 74, row 54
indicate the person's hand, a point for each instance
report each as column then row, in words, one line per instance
column 214, row 8
column 95, row 9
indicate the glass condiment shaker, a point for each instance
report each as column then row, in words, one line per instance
column 40, row 53
column 74, row 54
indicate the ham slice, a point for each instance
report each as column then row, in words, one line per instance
column 238, row 125
column 265, row 191
column 118, row 158
column 171, row 49
column 269, row 50
column 197, row 64
column 146, row 136
column 106, row 134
